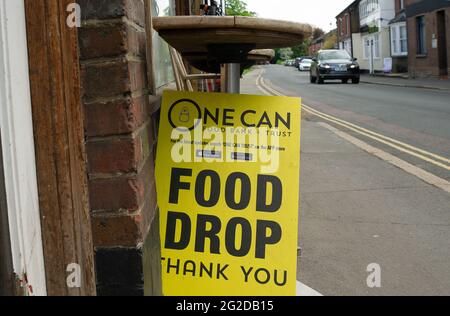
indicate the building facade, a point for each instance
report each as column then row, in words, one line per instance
column 316, row 45
column 348, row 23
column 399, row 39
column 428, row 28
column 372, row 43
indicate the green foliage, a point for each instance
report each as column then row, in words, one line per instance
column 301, row 50
column 238, row 8
column 330, row 42
column 373, row 29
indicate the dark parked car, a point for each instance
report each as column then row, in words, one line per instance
column 334, row 64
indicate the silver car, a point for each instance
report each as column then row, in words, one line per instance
column 305, row 65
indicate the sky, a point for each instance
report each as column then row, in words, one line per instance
column 320, row 13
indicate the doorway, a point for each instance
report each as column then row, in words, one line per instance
column 6, row 265
column 442, row 43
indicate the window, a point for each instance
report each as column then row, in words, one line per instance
column 367, row 7
column 162, row 62
column 376, row 46
column 366, row 46
column 402, row 4
column 399, row 40
column 328, row 55
column 403, row 39
column 394, row 40
column 421, row 38
column 371, row 40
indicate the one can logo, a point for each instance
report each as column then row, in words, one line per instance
column 185, row 115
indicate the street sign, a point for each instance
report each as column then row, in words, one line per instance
column 227, row 175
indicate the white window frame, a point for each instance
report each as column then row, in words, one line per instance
column 349, row 31
column 18, row 150
column 396, row 38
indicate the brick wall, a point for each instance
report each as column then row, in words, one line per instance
column 120, row 141
column 428, row 65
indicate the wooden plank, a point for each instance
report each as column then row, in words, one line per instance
column 193, row 22
column 59, row 139
column 240, row 22
column 182, row 7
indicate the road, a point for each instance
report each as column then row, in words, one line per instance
column 374, row 185
column 418, row 117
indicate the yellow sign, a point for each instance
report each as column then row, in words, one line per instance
column 227, row 175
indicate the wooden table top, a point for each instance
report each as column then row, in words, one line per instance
column 261, row 54
column 192, row 36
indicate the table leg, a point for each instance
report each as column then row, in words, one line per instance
column 230, row 78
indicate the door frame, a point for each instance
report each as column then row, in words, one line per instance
column 54, row 69
column 19, row 166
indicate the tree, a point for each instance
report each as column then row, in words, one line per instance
column 301, row 50
column 238, row 8
column 318, row 32
column 330, row 40
column 285, row 53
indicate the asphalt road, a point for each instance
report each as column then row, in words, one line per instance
column 418, row 117
column 358, row 208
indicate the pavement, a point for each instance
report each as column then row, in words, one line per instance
column 401, row 81
column 359, row 209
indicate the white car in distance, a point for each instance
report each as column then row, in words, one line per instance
column 305, row 65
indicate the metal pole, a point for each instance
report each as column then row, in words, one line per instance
column 230, row 78
column 372, row 66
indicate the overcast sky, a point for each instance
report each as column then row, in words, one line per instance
column 321, row 13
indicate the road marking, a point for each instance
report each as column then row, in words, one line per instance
column 399, row 163
column 406, row 148
column 304, row 290
column 422, row 157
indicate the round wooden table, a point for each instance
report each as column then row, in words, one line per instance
column 261, row 55
column 222, row 43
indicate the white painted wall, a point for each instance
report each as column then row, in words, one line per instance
column 385, row 49
column 18, row 148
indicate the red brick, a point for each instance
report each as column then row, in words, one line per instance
column 103, row 41
column 105, row 79
column 121, row 116
column 113, row 78
column 122, row 193
column 110, row 9
column 138, row 75
column 111, row 39
column 112, row 230
column 114, row 155
column 116, row 231
column 115, row 194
